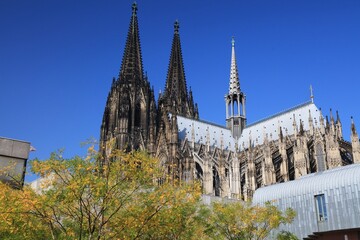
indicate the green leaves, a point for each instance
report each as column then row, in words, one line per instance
column 241, row 220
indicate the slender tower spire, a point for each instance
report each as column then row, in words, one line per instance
column 176, row 98
column 234, row 86
column 235, row 99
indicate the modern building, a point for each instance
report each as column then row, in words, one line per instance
column 13, row 158
column 231, row 160
column 327, row 203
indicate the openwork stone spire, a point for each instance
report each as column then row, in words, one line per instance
column 234, row 75
column 176, row 87
column 131, row 67
column 176, row 97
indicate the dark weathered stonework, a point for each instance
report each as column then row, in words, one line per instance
column 130, row 112
column 131, row 117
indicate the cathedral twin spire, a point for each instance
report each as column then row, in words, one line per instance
column 175, row 81
column 132, row 67
column 131, row 115
column 127, row 117
column 176, row 98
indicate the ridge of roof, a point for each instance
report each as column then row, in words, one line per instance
column 13, row 139
column 206, row 122
column 280, row 113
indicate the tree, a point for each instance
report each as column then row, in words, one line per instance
column 80, row 198
column 123, row 199
column 285, row 235
column 16, row 219
column 241, row 220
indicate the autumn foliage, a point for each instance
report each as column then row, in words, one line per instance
column 81, row 199
column 241, row 220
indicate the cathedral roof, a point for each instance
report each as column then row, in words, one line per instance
column 218, row 136
column 204, row 132
column 285, row 120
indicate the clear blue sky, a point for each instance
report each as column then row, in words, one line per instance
column 57, row 60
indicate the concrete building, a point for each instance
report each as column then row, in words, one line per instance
column 13, row 159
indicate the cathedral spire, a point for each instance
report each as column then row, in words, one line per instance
column 234, row 86
column 235, row 100
column 131, row 67
column 175, row 81
column 130, row 111
column 176, row 97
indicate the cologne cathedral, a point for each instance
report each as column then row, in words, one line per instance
column 232, row 160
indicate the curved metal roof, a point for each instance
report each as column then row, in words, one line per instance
column 312, row 183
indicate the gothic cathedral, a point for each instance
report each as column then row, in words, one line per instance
column 232, row 160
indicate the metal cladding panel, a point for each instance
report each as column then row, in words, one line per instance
column 341, row 189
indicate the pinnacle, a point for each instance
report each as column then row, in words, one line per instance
column 234, row 75
column 176, row 27
column 134, row 8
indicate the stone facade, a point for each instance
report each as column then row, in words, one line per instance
column 232, row 160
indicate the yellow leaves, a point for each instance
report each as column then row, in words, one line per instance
column 123, row 197
column 121, row 200
column 15, row 217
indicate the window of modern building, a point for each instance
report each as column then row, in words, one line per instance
column 321, row 207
